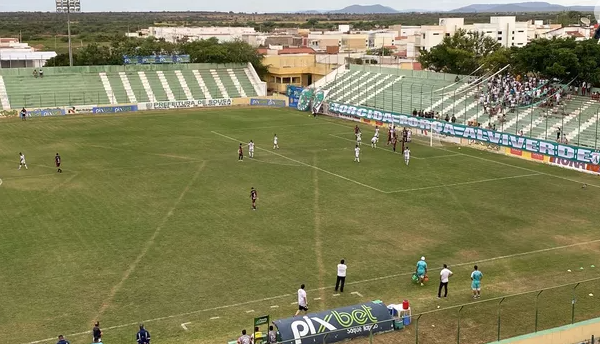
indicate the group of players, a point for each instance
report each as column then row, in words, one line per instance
column 23, row 163
column 392, row 139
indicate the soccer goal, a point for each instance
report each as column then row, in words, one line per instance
column 431, row 138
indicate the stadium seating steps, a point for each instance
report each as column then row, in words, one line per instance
column 403, row 91
column 94, row 85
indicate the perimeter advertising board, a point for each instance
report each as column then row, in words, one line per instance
column 521, row 143
column 336, row 325
column 186, row 104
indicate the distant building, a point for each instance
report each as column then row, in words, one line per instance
column 14, row 54
column 174, row 34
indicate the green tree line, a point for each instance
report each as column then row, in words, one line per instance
column 202, row 51
column 556, row 58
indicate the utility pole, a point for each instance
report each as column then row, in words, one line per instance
column 69, row 32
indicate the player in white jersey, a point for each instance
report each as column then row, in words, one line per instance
column 251, row 149
column 406, row 155
column 357, row 154
column 22, row 161
column 275, row 140
column 377, row 133
column 359, row 138
column 374, row 142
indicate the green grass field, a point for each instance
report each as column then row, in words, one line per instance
column 151, row 222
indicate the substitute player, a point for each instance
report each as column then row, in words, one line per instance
column 357, row 154
column 253, row 197
column 57, row 163
column 275, row 142
column 251, row 149
column 240, row 153
column 476, row 277
column 406, row 155
column 22, row 161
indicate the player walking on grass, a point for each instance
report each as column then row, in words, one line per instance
column 251, row 149
column 476, row 277
column 275, row 142
column 357, row 153
column 22, row 161
column 240, row 153
column 253, row 197
column 406, row 155
column 421, row 270
column 302, row 301
column 57, row 163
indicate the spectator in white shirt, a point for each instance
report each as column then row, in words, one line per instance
column 341, row 276
column 444, row 278
column 302, row 302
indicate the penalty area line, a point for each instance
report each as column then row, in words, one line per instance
column 520, row 254
column 305, row 164
column 466, row 183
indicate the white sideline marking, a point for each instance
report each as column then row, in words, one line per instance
column 274, row 306
column 305, row 164
column 336, row 295
column 250, row 311
column 0, row 181
column 356, row 293
column 185, row 327
column 214, row 318
column 293, row 303
column 317, row 298
column 467, row 183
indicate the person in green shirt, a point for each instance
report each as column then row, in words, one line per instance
column 421, row 270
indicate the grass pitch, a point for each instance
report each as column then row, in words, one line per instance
column 151, row 222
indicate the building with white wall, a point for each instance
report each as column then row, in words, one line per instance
column 174, row 34
column 14, row 54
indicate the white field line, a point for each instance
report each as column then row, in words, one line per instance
column 356, row 293
column 521, row 254
column 184, row 325
column 349, row 125
column 214, row 318
column 275, row 306
column 305, row 164
column 466, row 183
column 0, row 181
column 63, row 183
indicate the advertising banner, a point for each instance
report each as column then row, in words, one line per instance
column 156, row 59
column 338, row 324
column 577, row 166
column 267, row 102
column 8, row 113
column 43, row 112
column 184, row 104
column 531, row 145
column 293, row 93
column 71, row 110
column 114, row 109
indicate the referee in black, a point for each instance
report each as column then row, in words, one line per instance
column 341, row 276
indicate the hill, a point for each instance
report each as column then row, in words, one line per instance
column 520, row 7
column 366, row 9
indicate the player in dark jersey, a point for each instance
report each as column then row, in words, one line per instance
column 253, row 197
column 57, row 163
column 394, row 142
column 356, row 129
column 240, row 153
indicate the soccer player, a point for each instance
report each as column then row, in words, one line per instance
column 356, row 129
column 359, row 138
column 357, row 154
column 421, row 270
column 96, row 333
column 251, row 149
column 57, row 163
column 374, row 142
column 406, row 155
column 253, row 197
column 22, row 161
column 143, row 336
column 394, row 142
column 476, row 277
column 240, row 153
column 377, row 133
column 275, row 144
column 23, row 114
column 302, row 301
column 62, row 340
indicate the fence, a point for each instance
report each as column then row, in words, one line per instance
column 496, row 318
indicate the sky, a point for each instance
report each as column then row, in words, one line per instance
column 260, row 6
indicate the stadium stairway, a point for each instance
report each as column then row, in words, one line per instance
column 186, row 89
column 4, row 103
column 219, row 83
column 350, row 87
column 165, row 85
column 236, row 83
column 147, row 87
column 127, row 87
column 576, row 133
column 202, row 84
column 248, row 77
column 245, row 82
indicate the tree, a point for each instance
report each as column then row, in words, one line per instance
column 461, row 53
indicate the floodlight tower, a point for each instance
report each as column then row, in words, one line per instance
column 68, row 6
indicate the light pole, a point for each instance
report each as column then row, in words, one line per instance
column 68, row 6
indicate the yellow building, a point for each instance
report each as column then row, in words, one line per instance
column 294, row 66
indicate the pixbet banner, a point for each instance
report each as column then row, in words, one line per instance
column 267, row 102
column 114, row 109
column 338, row 324
column 549, row 148
column 43, row 112
column 188, row 104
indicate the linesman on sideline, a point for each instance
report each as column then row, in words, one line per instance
column 143, row 336
column 57, row 163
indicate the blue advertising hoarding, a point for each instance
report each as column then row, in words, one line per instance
column 267, row 102
column 46, row 112
column 156, row 59
column 294, row 93
column 114, row 109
